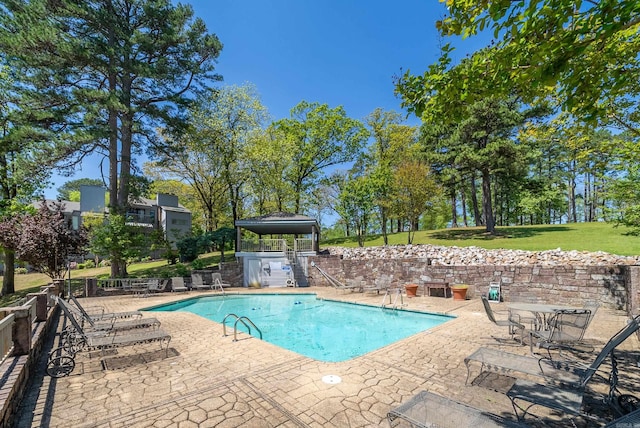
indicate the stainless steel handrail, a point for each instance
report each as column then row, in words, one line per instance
column 235, row 326
column 242, row 319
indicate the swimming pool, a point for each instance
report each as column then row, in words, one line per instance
column 320, row 329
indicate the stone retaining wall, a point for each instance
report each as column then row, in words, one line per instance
column 614, row 287
column 231, row 273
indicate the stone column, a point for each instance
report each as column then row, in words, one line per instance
column 21, row 330
column 91, row 287
column 41, row 305
column 59, row 284
column 633, row 290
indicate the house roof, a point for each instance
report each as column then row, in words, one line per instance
column 67, row 206
column 279, row 223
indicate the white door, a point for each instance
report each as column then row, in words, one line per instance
column 253, row 272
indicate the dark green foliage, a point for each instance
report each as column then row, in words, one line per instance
column 189, row 248
column 199, row 264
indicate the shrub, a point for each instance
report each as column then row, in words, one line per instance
column 21, row 271
column 198, row 264
column 105, row 263
column 81, row 266
column 171, row 256
column 182, row 270
column 189, row 248
column 89, row 264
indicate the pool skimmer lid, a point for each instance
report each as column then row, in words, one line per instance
column 331, row 379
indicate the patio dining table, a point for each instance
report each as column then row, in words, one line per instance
column 541, row 311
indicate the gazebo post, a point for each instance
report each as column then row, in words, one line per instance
column 238, row 239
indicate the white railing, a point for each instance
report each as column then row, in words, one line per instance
column 264, row 245
column 6, row 336
column 125, row 284
column 31, row 303
column 304, row 244
column 275, row 245
column 32, row 308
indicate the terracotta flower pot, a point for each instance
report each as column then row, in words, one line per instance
column 459, row 291
column 411, row 290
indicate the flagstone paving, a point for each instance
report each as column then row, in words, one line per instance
column 208, row 380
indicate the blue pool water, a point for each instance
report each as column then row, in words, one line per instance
column 319, row 329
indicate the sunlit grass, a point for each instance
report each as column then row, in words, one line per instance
column 576, row 236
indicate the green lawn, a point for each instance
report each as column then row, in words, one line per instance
column 576, row 236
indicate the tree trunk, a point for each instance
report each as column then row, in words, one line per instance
column 474, row 202
column 113, row 122
column 454, row 211
column 573, row 215
column 487, row 208
column 383, row 224
column 8, row 278
column 463, row 203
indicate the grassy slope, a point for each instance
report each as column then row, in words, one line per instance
column 580, row 236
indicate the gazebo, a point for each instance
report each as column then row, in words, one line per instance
column 274, row 249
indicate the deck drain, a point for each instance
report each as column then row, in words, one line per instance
column 331, row 379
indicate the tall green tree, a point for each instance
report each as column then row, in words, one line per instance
column 320, row 137
column 31, row 134
column 391, row 144
column 211, row 152
column 414, row 192
column 268, row 156
column 356, row 204
column 482, row 144
column 120, row 67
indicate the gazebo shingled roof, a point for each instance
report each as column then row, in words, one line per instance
column 279, row 223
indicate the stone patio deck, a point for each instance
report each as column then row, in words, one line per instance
column 208, row 380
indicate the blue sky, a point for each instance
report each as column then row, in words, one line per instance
column 339, row 52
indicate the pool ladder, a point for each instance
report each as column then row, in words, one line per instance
column 398, row 294
column 244, row 320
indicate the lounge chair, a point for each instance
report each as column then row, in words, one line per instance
column 101, row 315
column 335, row 283
column 568, row 398
column 155, row 286
column 565, row 330
column 376, row 286
column 216, row 278
column 177, row 284
column 506, row 362
column 197, row 282
column 426, row 409
column 111, row 325
column 630, row 420
column 62, row 360
column 512, row 322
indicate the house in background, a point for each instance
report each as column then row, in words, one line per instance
column 164, row 213
column 274, row 249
